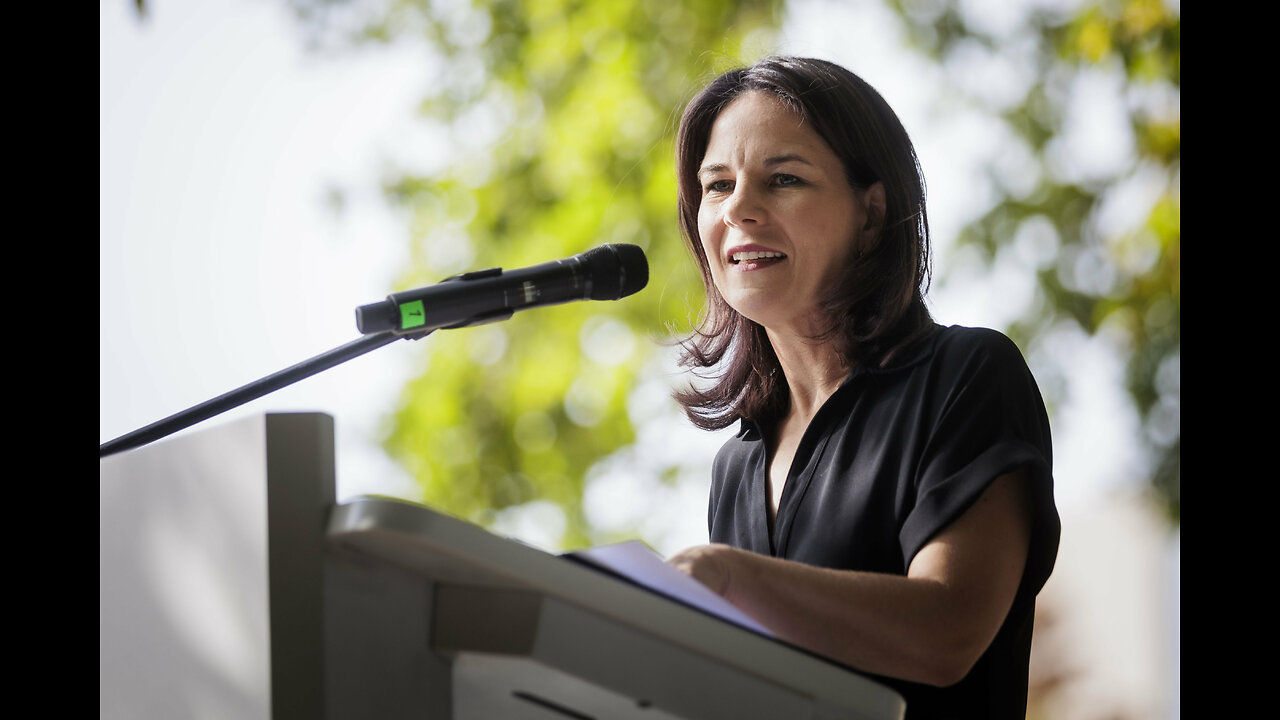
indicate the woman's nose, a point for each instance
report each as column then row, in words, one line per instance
column 743, row 207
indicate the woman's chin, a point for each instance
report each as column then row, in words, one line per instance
column 764, row 309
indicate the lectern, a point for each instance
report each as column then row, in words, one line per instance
column 232, row 585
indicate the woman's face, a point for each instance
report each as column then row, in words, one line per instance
column 778, row 220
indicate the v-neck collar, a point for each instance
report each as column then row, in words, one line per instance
column 809, row 451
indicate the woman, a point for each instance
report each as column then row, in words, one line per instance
column 887, row 501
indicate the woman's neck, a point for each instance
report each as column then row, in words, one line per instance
column 814, row 370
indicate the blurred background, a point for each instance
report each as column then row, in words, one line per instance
column 266, row 166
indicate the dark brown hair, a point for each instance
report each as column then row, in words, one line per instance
column 877, row 307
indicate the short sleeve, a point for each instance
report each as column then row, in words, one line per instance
column 986, row 419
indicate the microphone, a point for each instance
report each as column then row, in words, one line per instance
column 609, row 272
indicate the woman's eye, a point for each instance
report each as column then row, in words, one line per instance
column 785, row 180
column 719, row 186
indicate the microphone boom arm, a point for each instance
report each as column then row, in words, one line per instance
column 608, row 272
column 241, row 395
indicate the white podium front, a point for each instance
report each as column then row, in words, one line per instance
column 282, row 604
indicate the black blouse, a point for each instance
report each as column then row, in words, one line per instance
column 893, row 457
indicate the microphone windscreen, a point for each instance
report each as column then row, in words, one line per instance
column 617, row 270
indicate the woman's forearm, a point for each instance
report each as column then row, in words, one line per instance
column 929, row 626
column 891, row 625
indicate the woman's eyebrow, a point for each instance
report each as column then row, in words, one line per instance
column 780, row 159
column 768, row 162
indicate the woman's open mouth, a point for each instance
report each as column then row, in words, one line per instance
column 755, row 257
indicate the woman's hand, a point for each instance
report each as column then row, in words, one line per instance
column 708, row 564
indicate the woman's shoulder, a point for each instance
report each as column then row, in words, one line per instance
column 978, row 365
column 951, row 345
column 961, row 338
column 978, row 348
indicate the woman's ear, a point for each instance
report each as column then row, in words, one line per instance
column 874, row 207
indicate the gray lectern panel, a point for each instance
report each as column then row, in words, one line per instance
column 559, row 655
column 211, row 572
column 182, row 593
column 501, row 607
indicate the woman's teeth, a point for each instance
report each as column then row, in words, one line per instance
column 753, row 255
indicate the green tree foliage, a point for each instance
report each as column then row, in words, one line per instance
column 563, row 115
column 1122, row 279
